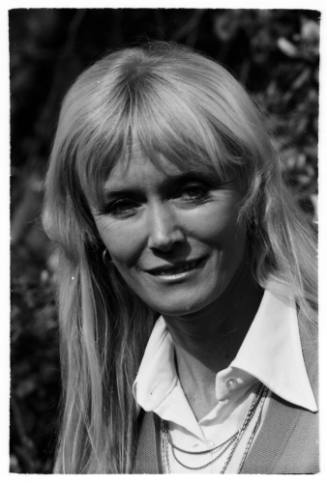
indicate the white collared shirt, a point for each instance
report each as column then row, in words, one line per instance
column 270, row 353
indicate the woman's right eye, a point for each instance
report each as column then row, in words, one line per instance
column 121, row 208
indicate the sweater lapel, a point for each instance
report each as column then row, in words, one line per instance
column 147, row 453
column 282, row 417
column 276, row 429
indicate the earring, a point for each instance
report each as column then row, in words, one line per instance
column 106, row 256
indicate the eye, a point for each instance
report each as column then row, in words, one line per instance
column 194, row 192
column 122, row 208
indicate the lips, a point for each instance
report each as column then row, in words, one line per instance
column 177, row 267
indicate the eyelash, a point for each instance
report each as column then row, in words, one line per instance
column 125, row 207
column 121, row 208
column 195, row 192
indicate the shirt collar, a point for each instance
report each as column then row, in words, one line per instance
column 157, row 369
column 271, row 352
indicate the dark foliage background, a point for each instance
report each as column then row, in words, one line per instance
column 274, row 53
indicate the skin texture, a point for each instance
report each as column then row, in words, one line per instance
column 153, row 216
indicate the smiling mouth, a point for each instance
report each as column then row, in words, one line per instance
column 177, row 268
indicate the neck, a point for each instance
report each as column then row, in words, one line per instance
column 214, row 334
column 206, row 342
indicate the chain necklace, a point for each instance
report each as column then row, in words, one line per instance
column 259, row 401
column 211, row 450
column 227, row 444
column 265, row 392
column 232, row 442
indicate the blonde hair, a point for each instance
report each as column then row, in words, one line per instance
column 171, row 102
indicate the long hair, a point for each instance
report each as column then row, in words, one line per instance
column 171, row 102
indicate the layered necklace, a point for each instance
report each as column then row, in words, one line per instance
column 227, row 447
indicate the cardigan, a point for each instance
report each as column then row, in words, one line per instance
column 287, row 442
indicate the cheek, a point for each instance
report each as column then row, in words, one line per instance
column 218, row 228
column 124, row 242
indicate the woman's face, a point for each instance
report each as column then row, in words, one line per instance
column 172, row 234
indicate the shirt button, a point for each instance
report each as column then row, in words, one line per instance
column 231, row 383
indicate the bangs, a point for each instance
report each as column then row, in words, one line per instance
column 157, row 121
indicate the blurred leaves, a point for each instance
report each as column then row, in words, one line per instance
column 34, row 366
column 274, row 53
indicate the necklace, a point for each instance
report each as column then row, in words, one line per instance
column 253, row 433
column 231, row 443
column 258, row 401
column 201, row 467
column 166, row 436
column 231, row 438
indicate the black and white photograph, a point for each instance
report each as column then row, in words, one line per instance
column 163, row 240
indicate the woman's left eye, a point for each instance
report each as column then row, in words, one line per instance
column 194, row 192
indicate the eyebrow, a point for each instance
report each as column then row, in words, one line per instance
column 209, row 175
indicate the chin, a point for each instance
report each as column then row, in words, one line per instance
column 182, row 305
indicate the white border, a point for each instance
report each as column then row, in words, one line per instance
column 4, row 211
column 286, row 4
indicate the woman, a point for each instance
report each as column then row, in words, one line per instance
column 187, row 297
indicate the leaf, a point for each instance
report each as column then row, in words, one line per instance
column 287, row 47
column 226, row 25
column 310, row 31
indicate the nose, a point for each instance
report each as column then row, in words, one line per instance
column 164, row 229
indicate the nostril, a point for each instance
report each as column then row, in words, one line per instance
column 164, row 243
